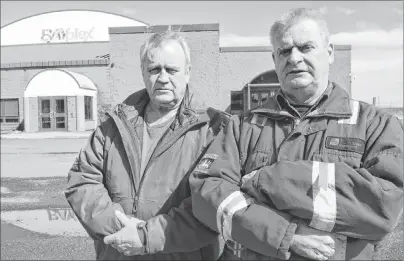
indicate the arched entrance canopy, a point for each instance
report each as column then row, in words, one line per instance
column 60, row 100
column 56, row 82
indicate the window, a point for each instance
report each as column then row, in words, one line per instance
column 258, row 98
column 88, row 107
column 9, row 111
column 236, row 102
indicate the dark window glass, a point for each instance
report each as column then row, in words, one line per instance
column 46, row 122
column 88, row 107
column 60, row 106
column 60, row 122
column 45, row 105
column 9, row 110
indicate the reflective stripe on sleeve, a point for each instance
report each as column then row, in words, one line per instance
column 234, row 202
column 324, row 196
column 355, row 112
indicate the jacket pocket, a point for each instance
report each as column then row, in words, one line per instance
column 352, row 159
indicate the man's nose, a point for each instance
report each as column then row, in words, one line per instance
column 163, row 77
column 295, row 56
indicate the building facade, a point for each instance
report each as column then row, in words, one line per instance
column 68, row 86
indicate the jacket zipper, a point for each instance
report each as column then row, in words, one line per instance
column 132, row 134
column 155, row 155
column 294, row 125
column 131, row 143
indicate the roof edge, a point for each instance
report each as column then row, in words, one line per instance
column 162, row 28
column 64, row 10
column 54, row 64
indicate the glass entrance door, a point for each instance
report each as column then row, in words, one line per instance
column 59, row 115
column 52, row 113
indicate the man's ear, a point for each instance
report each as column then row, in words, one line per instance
column 330, row 50
column 142, row 70
column 188, row 72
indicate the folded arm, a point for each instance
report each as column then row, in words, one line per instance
column 362, row 203
column 219, row 204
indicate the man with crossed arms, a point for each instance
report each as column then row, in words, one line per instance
column 311, row 173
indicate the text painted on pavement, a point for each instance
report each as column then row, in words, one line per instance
column 61, row 214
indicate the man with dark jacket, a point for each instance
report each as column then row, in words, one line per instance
column 311, row 161
column 129, row 186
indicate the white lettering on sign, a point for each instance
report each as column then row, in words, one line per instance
column 66, row 35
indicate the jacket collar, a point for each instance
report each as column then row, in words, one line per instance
column 335, row 102
column 135, row 104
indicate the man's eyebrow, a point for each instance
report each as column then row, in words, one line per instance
column 172, row 66
column 153, row 65
column 307, row 42
column 285, row 47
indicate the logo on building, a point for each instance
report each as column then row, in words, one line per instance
column 66, row 35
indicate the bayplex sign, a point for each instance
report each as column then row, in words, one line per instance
column 66, row 35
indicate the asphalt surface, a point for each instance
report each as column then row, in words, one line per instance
column 22, row 244
column 20, row 239
column 38, row 158
column 33, row 177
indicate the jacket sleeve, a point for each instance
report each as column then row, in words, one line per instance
column 218, row 202
column 165, row 232
column 86, row 192
column 364, row 203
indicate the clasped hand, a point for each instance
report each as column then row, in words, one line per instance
column 312, row 243
column 126, row 240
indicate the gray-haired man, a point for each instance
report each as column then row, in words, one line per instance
column 311, row 173
column 129, row 186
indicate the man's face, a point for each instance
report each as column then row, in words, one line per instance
column 166, row 74
column 302, row 58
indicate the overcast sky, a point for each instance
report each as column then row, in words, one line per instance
column 373, row 28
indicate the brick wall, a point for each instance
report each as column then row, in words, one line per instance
column 53, row 52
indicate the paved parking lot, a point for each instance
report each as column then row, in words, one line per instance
column 28, row 158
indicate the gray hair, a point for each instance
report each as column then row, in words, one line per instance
column 157, row 39
column 297, row 14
